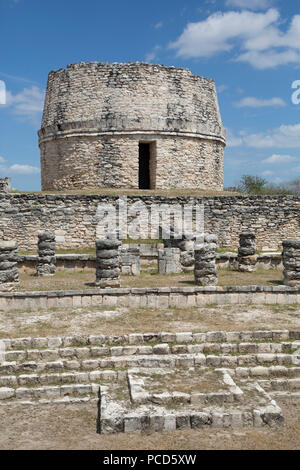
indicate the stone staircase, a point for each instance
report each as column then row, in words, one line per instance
column 114, row 371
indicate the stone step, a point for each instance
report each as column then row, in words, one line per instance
column 163, row 348
column 146, row 338
column 95, row 376
column 152, row 360
column 48, row 392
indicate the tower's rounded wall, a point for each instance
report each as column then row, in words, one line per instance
column 96, row 114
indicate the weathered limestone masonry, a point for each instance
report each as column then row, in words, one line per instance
column 232, row 378
column 206, row 273
column 46, row 262
column 291, row 262
column 169, row 261
column 74, row 220
column 247, row 258
column 130, row 260
column 108, row 263
column 185, row 243
column 130, row 125
column 5, row 185
column 9, row 273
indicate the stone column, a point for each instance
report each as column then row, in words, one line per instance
column 46, row 263
column 9, row 272
column 108, row 263
column 247, row 258
column 206, row 273
column 169, row 261
column 291, row 262
column 185, row 242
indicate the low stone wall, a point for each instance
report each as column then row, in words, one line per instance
column 148, row 255
column 163, row 297
column 264, row 261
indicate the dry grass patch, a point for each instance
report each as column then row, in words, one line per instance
column 137, row 192
column 118, row 321
column 80, row 280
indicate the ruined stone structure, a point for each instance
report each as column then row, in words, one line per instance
column 206, row 273
column 5, row 185
column 291, row 262
column 130, row 125
column 74, row 219
column 169, row 261
column 108, row 263
column 247, row 258
column 46, row 262
column 184, row 242
column 130, row 260
column 9, row 273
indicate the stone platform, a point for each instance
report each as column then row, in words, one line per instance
column 156, row 382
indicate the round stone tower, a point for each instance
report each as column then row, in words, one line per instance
column 130, row 125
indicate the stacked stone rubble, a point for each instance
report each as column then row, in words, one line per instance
column 9, row 273
column 46, row 263
column 108, row 262
column 130, row 260
column 291, row 262
column 205, row 271
column 169, row 261
column 185, row 242
column 247, row 259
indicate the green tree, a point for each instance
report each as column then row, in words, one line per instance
column 252, row 184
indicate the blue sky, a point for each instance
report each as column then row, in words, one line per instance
column 251, row 48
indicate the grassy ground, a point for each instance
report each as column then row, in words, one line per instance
column 132, row 192
column 64, row 280
column 118, row 321
column 74, row 427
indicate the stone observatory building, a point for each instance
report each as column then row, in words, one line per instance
column 134, row 125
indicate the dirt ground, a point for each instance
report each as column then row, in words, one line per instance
column 118, row 321
column 74, row 427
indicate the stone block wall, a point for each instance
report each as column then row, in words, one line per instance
column 74, row 218
column 96, row 114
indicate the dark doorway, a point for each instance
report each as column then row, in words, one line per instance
column 144, row 166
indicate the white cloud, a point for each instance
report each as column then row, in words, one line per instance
column 267, row 173
column 221, row 88
column 28, row 104
column 277, row 159
column 153, row 54
column 2, row 93
column 218, row 31
column 158, row 25
column 23, row 169
column 253, row 102
column 285, row 136
column 17, row 169
column 255, row 38
column 232, row 140
column 250, row 4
